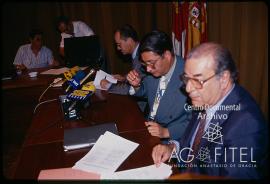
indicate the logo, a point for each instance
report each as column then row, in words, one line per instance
column 204, row 155
column 213, row 154
column 213, row 133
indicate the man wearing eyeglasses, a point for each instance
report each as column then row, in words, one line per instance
column 167, row 118
column 127, row 42
column 230, row 140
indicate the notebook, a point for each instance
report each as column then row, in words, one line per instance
column 77, row 138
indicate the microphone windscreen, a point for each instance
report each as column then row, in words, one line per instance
column 89, row 86
column 74, row 70
column 68, row 75
column 79, row 75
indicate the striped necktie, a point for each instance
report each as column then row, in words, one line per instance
column 159, row 94
column 199, row 134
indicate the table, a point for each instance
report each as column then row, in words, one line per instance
column 43, row 145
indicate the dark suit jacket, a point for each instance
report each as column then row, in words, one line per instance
column 123, row 88
column 170, row 113
column 245, row 129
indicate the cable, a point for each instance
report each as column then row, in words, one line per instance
column 50, row 85
column 45, row 128
column 43, row 103
column 44, row 93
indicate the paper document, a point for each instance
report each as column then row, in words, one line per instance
column 59, row 71
column 149, row 172
column 103, row 75
column 59, row 84
column 67, row 173
column 55, row 71
column 107, row 154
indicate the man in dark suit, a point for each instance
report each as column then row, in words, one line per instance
column 127, row 42
column 230, row 140
column 161, row 87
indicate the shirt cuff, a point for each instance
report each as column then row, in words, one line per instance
column 177, row 147
column 131, row 90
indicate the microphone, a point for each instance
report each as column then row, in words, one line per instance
column 89, row 86
column 73, row 76
column 81, row 95
column 92, row 71
column 75, row 81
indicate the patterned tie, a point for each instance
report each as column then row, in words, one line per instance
column 199, row 133
column 160, row 92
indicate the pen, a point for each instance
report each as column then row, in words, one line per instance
column 150, row 119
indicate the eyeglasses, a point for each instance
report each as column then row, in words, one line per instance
column 198, row 84
column 151, row 63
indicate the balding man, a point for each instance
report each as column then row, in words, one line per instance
column 227, row 135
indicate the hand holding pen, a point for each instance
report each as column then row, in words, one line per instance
column 134, row 78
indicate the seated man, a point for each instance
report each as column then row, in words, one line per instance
column 34, row 55
column 228, row 137
column 126, row 40
column 161, row 87
column 69, row 28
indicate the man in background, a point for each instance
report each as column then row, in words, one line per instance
column 227, row 135
column 127, row 42
column 69, row 28
column 34, row 55
column 167, row 118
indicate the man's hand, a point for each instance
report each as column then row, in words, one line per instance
column 55, row 63
column 156, row 130
column 20, row 67
column 104, row 83
column 119, row 77
column 134, row 78
column 162, row 153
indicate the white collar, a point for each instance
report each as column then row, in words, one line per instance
column 134, row 53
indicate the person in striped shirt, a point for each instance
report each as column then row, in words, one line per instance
column 34, row 54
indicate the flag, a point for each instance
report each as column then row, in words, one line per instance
column 189, row 26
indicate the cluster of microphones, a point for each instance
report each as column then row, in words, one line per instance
column 78, row 90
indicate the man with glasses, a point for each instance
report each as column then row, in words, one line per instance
column 162, row 88
column 228, row 137
column 127, row 42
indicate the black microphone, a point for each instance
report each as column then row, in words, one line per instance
column 87, row 90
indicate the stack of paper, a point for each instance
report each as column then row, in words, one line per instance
column 103, row 75
column 55, row 71
column 59, row 71
column 102, row 161
column 107, row 154
column 143, row 173
column 66, row 174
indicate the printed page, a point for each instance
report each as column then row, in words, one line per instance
column 59, row 70
column 55, row 71
column 149, row 172
column 103, row 75
column 107, row 154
